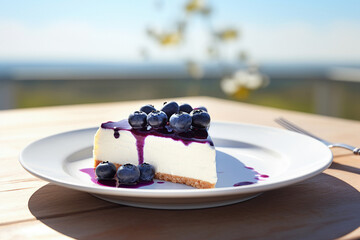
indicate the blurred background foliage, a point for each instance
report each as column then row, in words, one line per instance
column 182, row 48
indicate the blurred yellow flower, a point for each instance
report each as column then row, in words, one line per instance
column 194, row 5
column 167, row 39
column 197, row 6
column 241, row 93
column 242, row 82
column 228, row 34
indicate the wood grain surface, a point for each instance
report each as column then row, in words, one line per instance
column 326, row 206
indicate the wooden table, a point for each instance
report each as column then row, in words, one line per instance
column 324, row 207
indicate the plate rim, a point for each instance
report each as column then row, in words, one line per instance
column 183, row 193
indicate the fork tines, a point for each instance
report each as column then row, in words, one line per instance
column 290, row 126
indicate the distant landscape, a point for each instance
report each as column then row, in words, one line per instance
column 301, row 87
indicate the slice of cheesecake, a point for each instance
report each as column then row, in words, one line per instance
column 187, row 158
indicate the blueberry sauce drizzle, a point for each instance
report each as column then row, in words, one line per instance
column 140, row 142
column 243, row 183
column 199, row 136
column 258, row 177
column 116, row 133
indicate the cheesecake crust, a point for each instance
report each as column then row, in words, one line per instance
column 175, row 179
column 184, row 180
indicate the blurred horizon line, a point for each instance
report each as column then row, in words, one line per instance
column 162, row 70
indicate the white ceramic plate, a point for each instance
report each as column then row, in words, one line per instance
column 255, row 157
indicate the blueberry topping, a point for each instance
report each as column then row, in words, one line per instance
column 185, row 108
column 180, row 122
column 128, row 174
column 157, row 119
column 201, row 108
column 170, row 108
column 147, row 108
column 200, row 118
column 137, row 120
column 105, row 171
column 147, row 172
column 200, row 133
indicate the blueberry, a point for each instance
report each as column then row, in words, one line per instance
column 170, row 108
column 137, row 120
column 147, row 108
column 201, row 108
column 200, row 118
column 157, row 119
column 180, row 122
column 128, row 174
column 200, row 133
column 105, row 171
column 185, row 108
column 147, row 172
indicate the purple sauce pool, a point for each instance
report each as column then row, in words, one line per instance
column 257, row 177
column 114, row 183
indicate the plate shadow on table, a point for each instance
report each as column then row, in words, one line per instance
column 300, row 211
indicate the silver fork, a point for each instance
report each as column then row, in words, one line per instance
column 290, row 126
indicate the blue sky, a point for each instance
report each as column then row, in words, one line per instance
column 115, row 30
column 136, row 11
column 277, row 11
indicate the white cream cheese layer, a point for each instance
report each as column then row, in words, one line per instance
column 120, row 150
column 196, row 160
